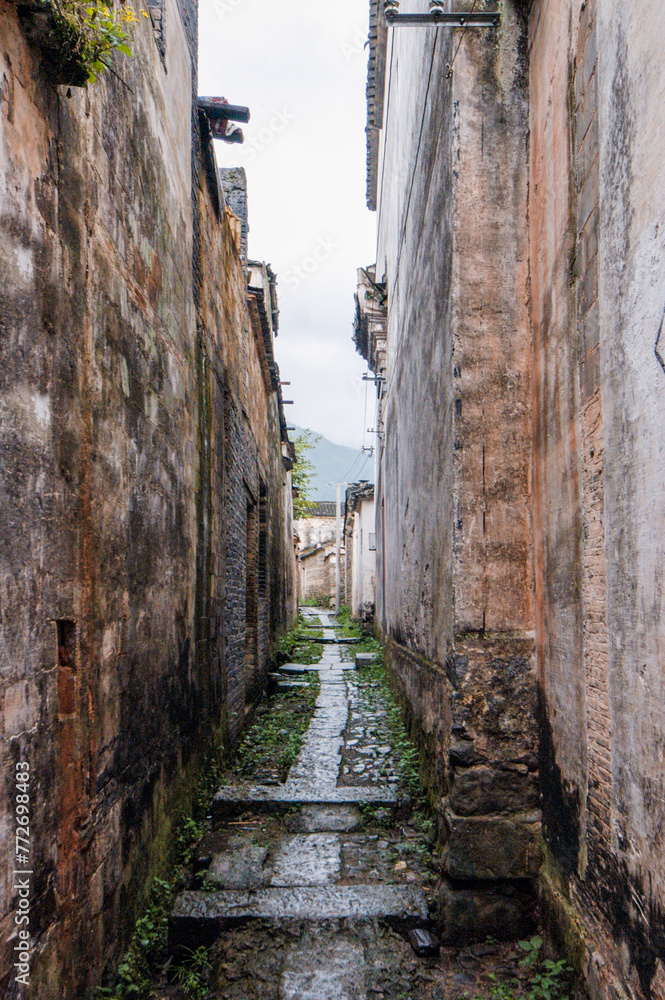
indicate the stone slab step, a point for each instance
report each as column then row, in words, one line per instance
column 324, row 965
column 283, row 685
column 232, row 801
column 342, row 641
column 365, row 659
column 327, row 819
column 397, row 905
column 298, row 668
column 312, row 668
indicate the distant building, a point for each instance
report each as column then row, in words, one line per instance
column 317, row 557
column 360, row 550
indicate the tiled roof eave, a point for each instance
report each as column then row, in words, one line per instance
column 376, row 69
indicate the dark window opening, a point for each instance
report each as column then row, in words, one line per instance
column 263, row 542
column 251, row 599
column 66, row 660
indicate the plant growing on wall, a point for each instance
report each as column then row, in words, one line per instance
column 302, row 475
column 79, row 37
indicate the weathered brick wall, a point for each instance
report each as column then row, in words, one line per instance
column 253, row 561
column 242, row 640
column 100, row 505
column 626, row 877
column 568, row 483
column 316, row 572
column 312, row 530
column 414, row 251
column 569, row 471
column 492, row 805
column 115, row 508
column 557, row 473
column 594, row 572
column 234, row 185
column 348, row 562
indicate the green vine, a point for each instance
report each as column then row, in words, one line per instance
column 88, row 32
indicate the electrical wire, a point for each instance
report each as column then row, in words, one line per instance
column 449, row 69
column 360, row 469
column 345, row 477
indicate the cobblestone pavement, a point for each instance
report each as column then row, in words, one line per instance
column 308, row 889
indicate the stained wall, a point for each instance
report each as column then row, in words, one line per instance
column 132, row 406
column 596, row 241
column 519, row 491
column 453, row 521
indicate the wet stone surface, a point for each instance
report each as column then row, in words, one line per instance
column 306, row 889
column 348, row 960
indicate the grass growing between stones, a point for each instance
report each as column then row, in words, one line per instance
column 373, row 687
column 142, row 970
column 273, row 741
column 297, row 645
column 265, row 754
column 348, row 628
column 538, row 978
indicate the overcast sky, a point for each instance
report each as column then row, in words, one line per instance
column 300, row 66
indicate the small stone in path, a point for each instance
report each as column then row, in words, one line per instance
column 423, row 943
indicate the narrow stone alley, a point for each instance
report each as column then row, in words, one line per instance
column 310, row 887
column 357, row 694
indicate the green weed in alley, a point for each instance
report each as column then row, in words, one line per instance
column 296, row 646
column 550, row 980
column 373, row 685
column 275, row 737
column 192, row 976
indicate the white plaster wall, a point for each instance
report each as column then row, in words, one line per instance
column 314, row 531
column 632, row 304
column 414, row 487
column 364, row 560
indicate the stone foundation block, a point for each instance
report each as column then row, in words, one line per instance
column 492, row 847
column 466, row 914
column 482, row 791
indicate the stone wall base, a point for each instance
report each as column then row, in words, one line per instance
column 475, row 723
column 468, row 912
column 584, row 948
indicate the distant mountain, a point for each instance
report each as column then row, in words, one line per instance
column 336, row 463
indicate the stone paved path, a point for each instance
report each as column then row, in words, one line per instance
column 305, row 897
